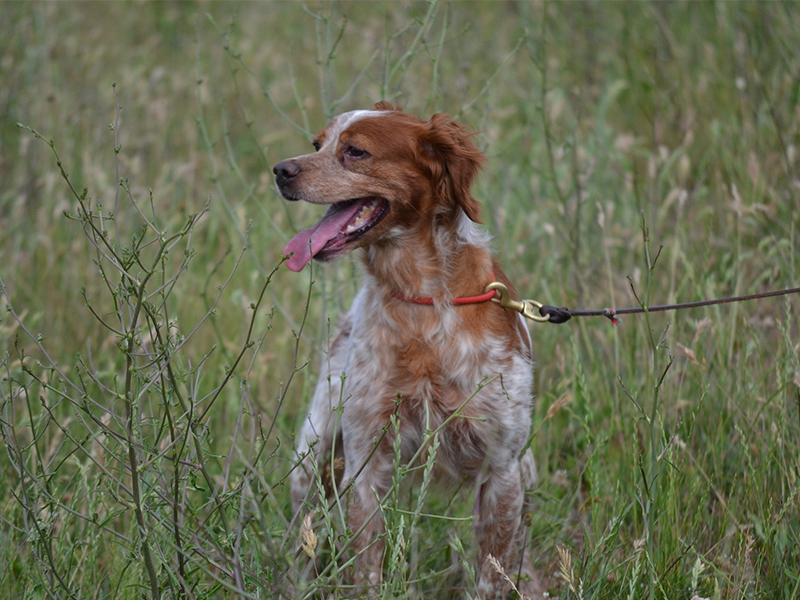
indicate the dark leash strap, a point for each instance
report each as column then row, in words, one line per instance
column 554, row 314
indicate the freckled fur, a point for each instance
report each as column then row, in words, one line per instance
column 434, row 357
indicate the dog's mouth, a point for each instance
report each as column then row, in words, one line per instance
column 344, row 223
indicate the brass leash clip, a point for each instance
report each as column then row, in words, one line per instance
column 527, row 308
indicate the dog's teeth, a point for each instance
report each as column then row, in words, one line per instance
column 362, row 216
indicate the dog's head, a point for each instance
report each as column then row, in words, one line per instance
column 381, row 171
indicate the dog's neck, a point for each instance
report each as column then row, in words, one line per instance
column 441, row 259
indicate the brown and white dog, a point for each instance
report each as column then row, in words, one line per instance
column 398, row 188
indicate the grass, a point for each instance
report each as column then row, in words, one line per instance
column 156, row 358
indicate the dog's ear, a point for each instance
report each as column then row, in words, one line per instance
column 455, row 162
column 384, row 105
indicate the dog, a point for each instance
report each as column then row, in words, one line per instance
column 421, row 340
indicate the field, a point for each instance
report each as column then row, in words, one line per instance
column 156, row 357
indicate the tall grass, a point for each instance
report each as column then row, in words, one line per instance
column 156, row 357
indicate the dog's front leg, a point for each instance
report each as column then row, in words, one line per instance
column 369, row 478
column 322, row 423
column 499, row 515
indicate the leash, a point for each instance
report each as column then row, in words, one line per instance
column 497, row 292
column 554, row 314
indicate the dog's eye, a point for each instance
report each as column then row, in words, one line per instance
column 354, row 152
column 316, row 145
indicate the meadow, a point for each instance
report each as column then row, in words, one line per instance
column 156, row 356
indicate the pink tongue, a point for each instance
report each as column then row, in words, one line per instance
column 307, row 243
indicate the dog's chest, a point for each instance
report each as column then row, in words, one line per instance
column 432, row 363
column 421, row 356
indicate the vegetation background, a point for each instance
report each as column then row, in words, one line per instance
column 155, row 364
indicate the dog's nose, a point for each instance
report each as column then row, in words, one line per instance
column 285, row 170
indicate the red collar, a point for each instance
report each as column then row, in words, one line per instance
column 480, row 299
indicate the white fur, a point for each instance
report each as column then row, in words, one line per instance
column 340, row 124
